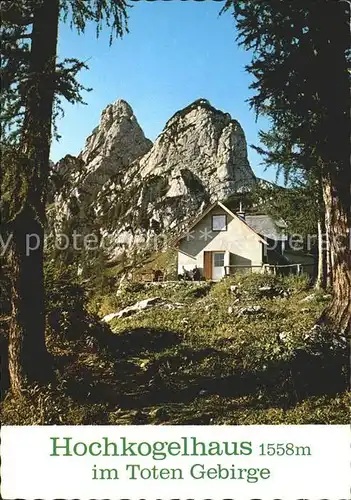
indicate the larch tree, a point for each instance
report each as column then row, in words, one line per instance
column 33, row 83
column 300, row 203
column 299, row 207
column 300, row 65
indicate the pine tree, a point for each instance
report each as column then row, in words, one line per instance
column 300, row 67
column 34, row 82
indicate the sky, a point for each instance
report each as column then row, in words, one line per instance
column 175, row 52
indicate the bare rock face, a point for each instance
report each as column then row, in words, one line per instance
column 200, row 149
column 135, row 192
column 114, row 144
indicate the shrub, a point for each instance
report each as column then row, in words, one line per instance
column 67, row 316
column 298, row 283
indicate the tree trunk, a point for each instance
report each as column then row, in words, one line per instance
column 27, row 352
column 321, row 281
column 336, row 193
column 333, row 151
column 329, row 267
column 28, row 358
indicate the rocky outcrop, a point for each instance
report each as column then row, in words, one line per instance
column 142, row 305
column 114, row 144
column 108, row 152
column 200, row 150
column 133, row 190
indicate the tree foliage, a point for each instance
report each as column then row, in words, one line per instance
column 300, row 65
column 300, row 70
column 35, row 83
column 19, row 81
column 297, row 205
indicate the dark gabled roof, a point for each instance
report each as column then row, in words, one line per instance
column 267, row 227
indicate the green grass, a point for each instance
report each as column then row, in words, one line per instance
column 165, row 261
column 203, row 363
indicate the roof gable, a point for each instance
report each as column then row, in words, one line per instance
column 208, row 210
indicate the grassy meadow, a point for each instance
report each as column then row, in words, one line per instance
column 242, row 351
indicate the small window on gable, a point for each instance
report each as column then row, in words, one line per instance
column 219, row 222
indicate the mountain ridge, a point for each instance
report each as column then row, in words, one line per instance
column 131, row 190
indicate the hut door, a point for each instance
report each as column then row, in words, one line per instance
column 208, row 265
column 218, row 265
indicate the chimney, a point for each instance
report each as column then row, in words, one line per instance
column 241, row 213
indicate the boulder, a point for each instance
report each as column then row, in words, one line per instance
column 141, row 306
column 249, row 310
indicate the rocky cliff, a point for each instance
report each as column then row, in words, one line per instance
column 130, row 190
